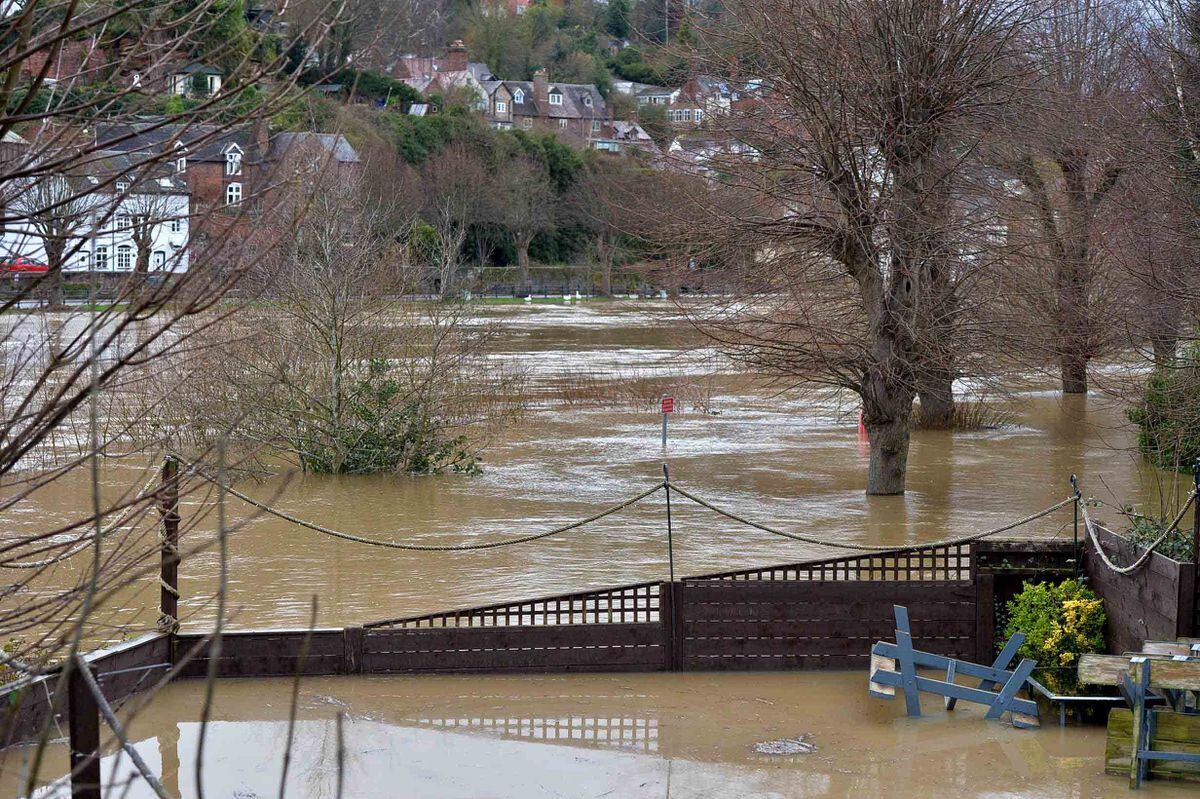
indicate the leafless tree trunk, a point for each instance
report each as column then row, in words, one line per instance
column 836, row 178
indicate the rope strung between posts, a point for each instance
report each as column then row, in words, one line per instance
column 865, row 547
column 1089, row 525
column 429, row 547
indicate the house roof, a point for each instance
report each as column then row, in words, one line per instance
column 333, row 143
column 197, row 68
column 151, row 178
column 574, row 105
column 653, row 91
column 201, row 142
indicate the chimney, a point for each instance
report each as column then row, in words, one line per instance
column 259, row 139
column 456, row 57
column 541, row 90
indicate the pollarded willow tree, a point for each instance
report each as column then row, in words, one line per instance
column 835, row 193
column 1067, row 145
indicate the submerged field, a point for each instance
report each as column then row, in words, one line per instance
column 591, row 439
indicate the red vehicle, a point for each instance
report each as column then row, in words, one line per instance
column 22, row 264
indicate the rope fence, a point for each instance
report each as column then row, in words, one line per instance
column 1090, row 528
column 85, row 542
column 661, row 486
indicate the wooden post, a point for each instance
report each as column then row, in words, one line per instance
column 666, row 617
column 352, row 649
column 83, row 725
column 985, row 617
column 168, row 620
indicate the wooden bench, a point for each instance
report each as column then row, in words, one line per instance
column 895, row 666
column 1160, row 733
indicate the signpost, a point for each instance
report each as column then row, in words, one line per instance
column 668, row 406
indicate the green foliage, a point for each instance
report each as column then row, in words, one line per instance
column 385, row 429
column 416, row 138
column 1145, row 530
column 1060, row 623
column 1168, row 417
column 377, row 86
column 616, row 18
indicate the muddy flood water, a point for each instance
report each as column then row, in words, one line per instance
column 791, row 461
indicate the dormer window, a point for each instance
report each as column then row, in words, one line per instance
column 587, row 100
column 122, row 186
column 519, row 97
column 556, row 97
column 233, row 161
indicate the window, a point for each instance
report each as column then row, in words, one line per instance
column 562, row 123
column 176, row 225
column 214, row 84
column 556, row 97
column 519, row 97
column 181, row 165
column 158, row 259
column 101, row 257
column 122, row 186
column 124, row 257
column 587, row 100
column 699, row 114
column 123, row 223
column 233, row 162
column 527, row 123
column 233, row 194
column 595, row 126
column 501, row 107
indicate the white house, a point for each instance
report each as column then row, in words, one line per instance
column 119, row 208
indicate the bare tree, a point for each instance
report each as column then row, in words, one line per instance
column 526, row 205
column 57, row 214
column 457, row 194
column 831, row 204
column 1066, row 146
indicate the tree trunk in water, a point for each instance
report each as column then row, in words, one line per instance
column 1074, row 374
column 523, row 260
column 935, row 391
column 888, row 469
column 1164, row 350
column 606, row 253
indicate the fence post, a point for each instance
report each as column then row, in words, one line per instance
column 1192, row 625
column 1075, row 535
column 83, row 725
column 672, row 598
column 1196, row 517
column 352, row 649
column 985, row 618
column 168, row 619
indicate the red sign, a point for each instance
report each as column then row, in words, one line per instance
column 668, row 404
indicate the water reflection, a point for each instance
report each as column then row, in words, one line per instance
column 683, row 735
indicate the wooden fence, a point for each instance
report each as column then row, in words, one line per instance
column 819, row 614
column 1157, row 602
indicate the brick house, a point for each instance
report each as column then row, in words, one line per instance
column 573, row 110
column 234, row 175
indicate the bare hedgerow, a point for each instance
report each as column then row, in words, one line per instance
column 99, row 110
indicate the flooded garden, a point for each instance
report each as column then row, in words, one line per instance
column 589, row 438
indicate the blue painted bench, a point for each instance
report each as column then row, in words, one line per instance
column 894, row 665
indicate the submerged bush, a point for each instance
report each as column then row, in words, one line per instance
column 1145, row 530
column 1060, row 623
column 1168, row 417
column 384, row 429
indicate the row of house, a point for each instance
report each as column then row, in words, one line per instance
column 151, row 193
column 575, row 111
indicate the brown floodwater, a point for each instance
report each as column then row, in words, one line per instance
column 793, row 461
column 684, row 735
